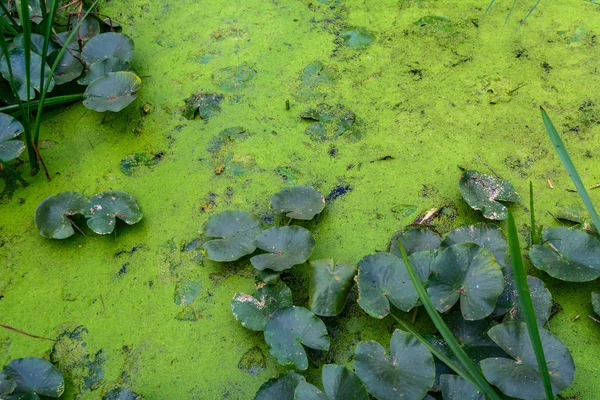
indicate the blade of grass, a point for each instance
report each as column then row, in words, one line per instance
column 488, row 9
column 10, row 17
column 561, row 150
column 48, row 18
column 534, row 238
column 52, row 101
column 510, row 12
column 526, row 304
column 441, row 326
column 529, row 13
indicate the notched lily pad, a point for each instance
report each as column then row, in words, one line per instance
column 414, row 239
column 236, row 232
column 33, row 377
column 299, row 202
column 99, row 69
column 472, row 336
column 17, row 63
column 52, row 215
column 508, row 302
column 456, row 388
column 254, row 311
column 330, row 284
column 102, row 210
column 290, row 328
column 234, row 78
column 331, row 122
column 186, row 292
column 107, row 45
column 122, row 394
column 206, row 105
column 113, row 92
column 10, row 128
column 68, row 69
column 339, row 383
column 287, row 246
column 315, row 74
column 484, row 192
column 357, row 37
column 279, row 388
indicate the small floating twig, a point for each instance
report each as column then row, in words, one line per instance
column 10, row 328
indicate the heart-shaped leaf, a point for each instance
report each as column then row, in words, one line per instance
column 10, row 128
column 456, row 388
column 52, row 215
column 99, row 69
column 520, row 377
column 108, row 44
column 206, row 105
column 37, row 44
column 339, row 382
column 17, row 62
column 508, row 302
column 122, row 394
column 34, row 377
column 68, row 69
column 567, row 254
column 467, row 272
column 102, row 210
column 290, row 328
column 307, row 391
column 236, row 232
column 254, row 311
column 473, row 337
column 357, row 37
column 287, row 246
column 280, row 388
column 596, row 302
column 484, row 192
column 330, row 284
column 383, row 278
column 414, row 239
column 299, row 202
column 113, row 92
column 408, row 372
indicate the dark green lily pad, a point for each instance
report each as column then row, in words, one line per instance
column 290, row 328
column 254, row 311
column 484, row 192
column 122, row 394
column 268, row 276
column 7, row 384
column 236, row 232
column 134, row 162
column 37, row 44
column 331, row 121
column 357, row 37
column 34, row 377
column 485, row 235
column 383, row 279
column 508, row 302
column 17, row 62
column 52, row 215
column 186, row 292
column 473, row 337
column 113, row 92
column 342, row 384
column 10, row 128
column 456, row 388
column 206, row 105
column 299, row 202
column 307, row 391
column 596, row 302
column 102, row 210
column 330, row 284
column 414, row 239
column 316, row 74
column 61, row 37
column 567, row 254
column 280, row 388
column 287, row 246
column 68, row 69
column 520, row 377
column 106, row 45
column 89, row 28
column 407, row 372
column 234, row 78
column 99, row 69
column 467, row 272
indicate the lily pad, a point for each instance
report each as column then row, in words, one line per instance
column 236, row 232
column 122, row 394
column 456, row 388
column 473, row 337
column 234, row 78
column 99, row 69
column 89, row 28
column 330, row 284
column 102, row 210
column 268, row 276
column 134, row 162
column 186, row 292
column 414, row 239
column 596, row 302
column 280, row 388
column 332, row 121
column 254, row 311
column 287, row 246
column 113, row 92
column 407, row 372
column 34, row 377
column 467, row 272
column 206, row 105
column 383, row 279
column 339, row 382
column 508, row 302
column 290, row 328
column 299, row 202
column 68, row 69
column 37, row 44
column 520, row 376
column 10, row 128
column 106, row 45
column 357, row 37
column 484, row 192
column 7, row 384
column 17, row 62
column 52, row 215
column 315, row 74
column 567, row 254
column 307, row 391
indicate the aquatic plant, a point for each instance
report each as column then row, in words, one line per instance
column 30, row 378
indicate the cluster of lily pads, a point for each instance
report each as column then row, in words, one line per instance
column 54, row 216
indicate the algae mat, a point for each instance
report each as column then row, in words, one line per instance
column 426, row 94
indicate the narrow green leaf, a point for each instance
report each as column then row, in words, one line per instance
column 534, row 238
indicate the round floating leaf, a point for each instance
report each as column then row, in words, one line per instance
column 99, row 69
column 186, row 292
column 254, row 311
column 37, row 43
column 483, row 192
column 113, row 92
column 206, row 105
column 7, row 384
column 17, row 62
column 408, row 372
column 102, row 209
column 456, row 388
column 342, row 384
column 287, row 246
column 332, row 121
column 485, row 235
column 52, row 214
column 306, row 391
column 89, row 28
column 299, row 202
column 567, row 254
column 279, row 388
column 268, row 276
column 330, row 284
column 520, row 376
column 122, row 394
column 290, row 328
column 10, row 128
column 467, row 272
column 414, row 240
column 508, row 302
column 596, row 302
column 236, row 232
column 358, row 37
column 473, row 337
column 34, row 377
column 383, row 278
column 108, row 44
column 68, row 69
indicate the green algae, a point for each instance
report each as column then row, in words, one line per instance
column 430, row 98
